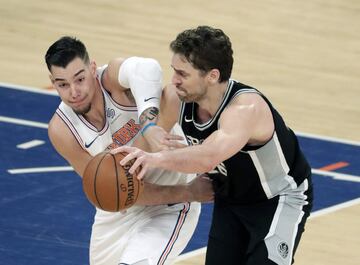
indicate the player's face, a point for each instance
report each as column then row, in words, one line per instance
column 76, row 84
column 190, row 83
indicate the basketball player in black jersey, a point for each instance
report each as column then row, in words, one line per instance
column 261, row 178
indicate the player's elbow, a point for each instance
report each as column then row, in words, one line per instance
column 149, row 69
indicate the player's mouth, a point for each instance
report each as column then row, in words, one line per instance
column 180, row 91
column 78, row 102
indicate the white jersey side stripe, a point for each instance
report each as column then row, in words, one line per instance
column 175, row 235
column 275, row 221
column 261, row 173
column 282, row 231
column 283, row 162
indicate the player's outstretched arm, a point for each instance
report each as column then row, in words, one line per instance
column 247, row 121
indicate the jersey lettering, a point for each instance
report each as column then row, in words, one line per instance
column 221, row 169
column 125, row 134
column 193, row 140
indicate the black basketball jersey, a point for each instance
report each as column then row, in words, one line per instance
column 255, row 173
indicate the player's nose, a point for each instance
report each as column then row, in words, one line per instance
column 176, row 80
column 74, row 91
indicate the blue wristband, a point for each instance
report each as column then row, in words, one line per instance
column 146, row 127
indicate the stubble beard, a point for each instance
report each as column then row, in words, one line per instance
column 83, row 111
column 188, row 98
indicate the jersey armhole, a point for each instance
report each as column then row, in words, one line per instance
column 70, row 126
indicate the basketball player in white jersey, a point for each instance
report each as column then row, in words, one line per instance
column 110, row 106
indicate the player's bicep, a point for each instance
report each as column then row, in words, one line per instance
column 235, row 128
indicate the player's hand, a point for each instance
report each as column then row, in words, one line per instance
column 142, row 160
column 159, row 139
column 201, row 189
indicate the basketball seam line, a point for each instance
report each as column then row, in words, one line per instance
column 117, row 184
column 97, row 169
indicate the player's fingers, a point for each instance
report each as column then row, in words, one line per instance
column 177, row 145
column 166, row 143
column 174, row 137
column 127, row 158
column 136, row 164
column 141, row 174
column 120, row 149
column 173, row 143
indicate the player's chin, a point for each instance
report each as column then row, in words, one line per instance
column 180, row 92
column 182, row 95
column 81, row 110
column 186, row 99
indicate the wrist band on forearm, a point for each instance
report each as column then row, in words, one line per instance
column 146, row 127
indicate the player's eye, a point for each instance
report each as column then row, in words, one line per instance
column 183, row 74
column 62, row 85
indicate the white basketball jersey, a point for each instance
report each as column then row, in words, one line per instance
column 155, row 234
column 121, row 128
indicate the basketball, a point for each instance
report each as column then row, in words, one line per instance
column 108, row 185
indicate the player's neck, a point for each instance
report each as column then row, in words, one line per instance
column 96, row 115
column 213, row 98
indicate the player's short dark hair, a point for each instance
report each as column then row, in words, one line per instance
column 206, row 48
column 64, row 50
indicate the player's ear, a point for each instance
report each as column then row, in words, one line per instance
column 213, row 76
column 51, row 79
column 93, row 68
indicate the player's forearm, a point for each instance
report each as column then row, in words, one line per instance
column 194, row 159
column 154, row 194
column 150, row 115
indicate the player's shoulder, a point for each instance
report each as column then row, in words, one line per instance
column 252, row 97
column 54, row 122
column 57, row 129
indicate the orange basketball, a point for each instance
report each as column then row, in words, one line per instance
column 108, row 185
